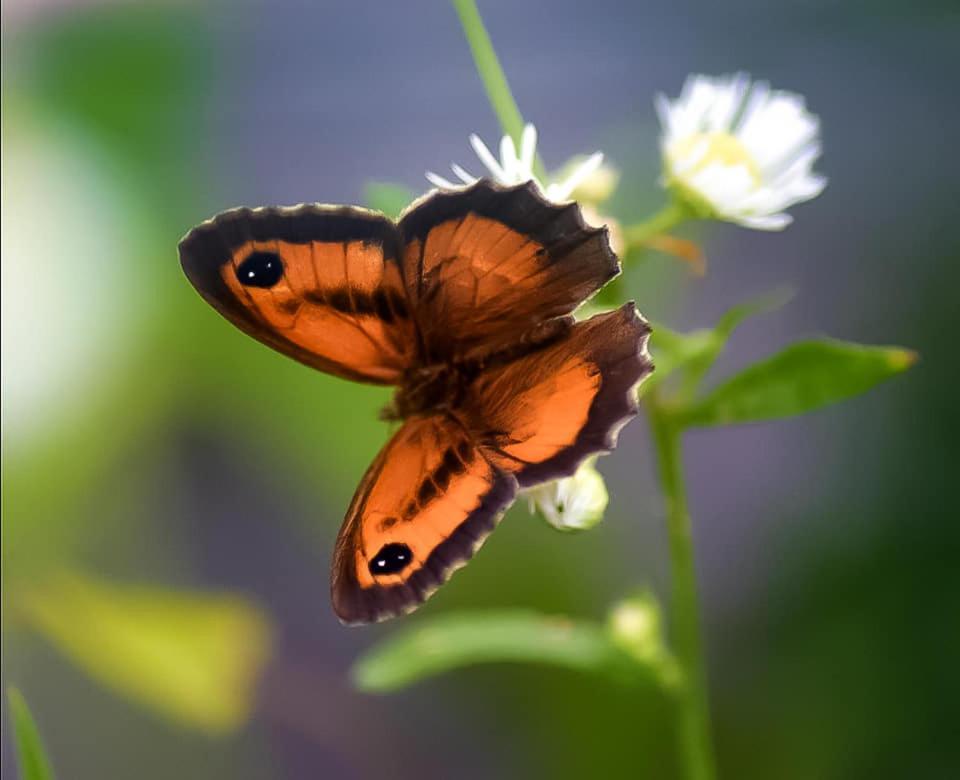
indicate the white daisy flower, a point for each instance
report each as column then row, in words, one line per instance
column 739, row 151
column 574, row 503
column 516, row 167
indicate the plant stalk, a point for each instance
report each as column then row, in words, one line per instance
column 671, row 215
column 693, row 712
column 493, row 77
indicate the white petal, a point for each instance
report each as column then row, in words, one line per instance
column 766, row 221
column 554, row 192
column 756, row 101
column 528, row 147
column 723, row 186
column 439, row 181
column 680, row 165
column 509, row 160
column 563, row 190
column 777, row 131
column 664, row 109
column 465, row 176
column 487, row 158
column 727, row 103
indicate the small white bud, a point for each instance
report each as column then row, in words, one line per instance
column 635, row 625
column 574, row 503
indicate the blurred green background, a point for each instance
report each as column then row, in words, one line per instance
column 172, row 489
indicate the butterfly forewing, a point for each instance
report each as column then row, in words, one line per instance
column 320, row 284
column 486, row 265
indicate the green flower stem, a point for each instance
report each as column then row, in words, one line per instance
column 693, row 713
column 494, row 79
column 666, row 219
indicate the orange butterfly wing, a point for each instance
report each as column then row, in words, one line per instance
column 320, row 284
column 438, row 488
column 425, row 505
column 487, row 265
column 480, row 281
column 539, row 416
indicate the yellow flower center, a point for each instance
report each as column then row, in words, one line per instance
column 721, row 149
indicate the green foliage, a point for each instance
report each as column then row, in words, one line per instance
column 193, row 657
column 391, row 199
column 455, row 641
column 726, row 325
column 31, row 756
column 800, row 379
column 93, row 67
column 694, row 353
column 673, row 351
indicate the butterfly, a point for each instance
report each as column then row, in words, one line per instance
column 465, row 306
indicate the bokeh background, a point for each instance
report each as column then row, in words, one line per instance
column 147, row 443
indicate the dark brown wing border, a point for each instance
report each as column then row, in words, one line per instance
column 559, row 228
column 547, row 223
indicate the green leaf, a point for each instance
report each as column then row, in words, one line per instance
column 454, row 641
column 801, row 378
column 695, row 352
column 195, row 658
column 672, row 351
column 31, row 756
column 762, row 304
column 700, row 364
column 391, row 199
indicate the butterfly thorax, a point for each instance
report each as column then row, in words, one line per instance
column 442, row 386
column 429, row 388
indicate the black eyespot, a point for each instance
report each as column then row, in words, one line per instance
column 391, row 559
column 260, row 269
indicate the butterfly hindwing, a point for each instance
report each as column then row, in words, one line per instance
column 540, row 415
column 321, row 284
column 485, row 265
column 423, row 508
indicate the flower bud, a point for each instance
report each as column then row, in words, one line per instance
column 573, row 503
column 635, row 625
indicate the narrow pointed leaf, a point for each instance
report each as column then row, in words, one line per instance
column 804, row 377
column 762, row 304
column 700, row 364
column 31, row 756
column 694, row 353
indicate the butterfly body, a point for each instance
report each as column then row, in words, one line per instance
column 443, row 386
column 464, row 306
column 429, row 388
